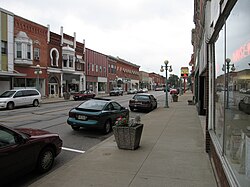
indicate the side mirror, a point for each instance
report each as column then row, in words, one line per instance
column 20, row 139
column 122, row 108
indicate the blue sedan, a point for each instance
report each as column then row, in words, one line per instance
column 96, row 113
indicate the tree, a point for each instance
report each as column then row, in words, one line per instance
column 173, row 81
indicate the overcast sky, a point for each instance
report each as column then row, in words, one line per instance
column 144, row 32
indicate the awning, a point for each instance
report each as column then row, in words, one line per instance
column 12, row 74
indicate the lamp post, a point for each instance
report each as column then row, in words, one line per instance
column 37, row 72
column 226, row 69
column 166, row 87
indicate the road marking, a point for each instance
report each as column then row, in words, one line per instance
column 73, row 150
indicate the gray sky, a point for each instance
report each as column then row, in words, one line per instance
column 144, row 32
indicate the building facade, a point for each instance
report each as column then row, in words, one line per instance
column 157, row 80
column 30, row 53
column 96, row 71
column 221, row 43
column 7, row 71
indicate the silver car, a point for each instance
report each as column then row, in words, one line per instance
column 21, row 97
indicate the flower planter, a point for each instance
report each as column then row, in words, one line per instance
column 128, row 137
column 175, row 98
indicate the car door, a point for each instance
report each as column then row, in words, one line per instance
column 19, row 98
column 15, row 157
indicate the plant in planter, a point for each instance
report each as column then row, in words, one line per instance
column 175, row 97
column 128, row 133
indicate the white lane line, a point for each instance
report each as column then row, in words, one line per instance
column 73, row 150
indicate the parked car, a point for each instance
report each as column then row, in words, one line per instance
column 96, row 113
column 82, row 95
column 132, row 91
column 159, row 89
column 13, row 98
column 23, row 149
column 143, row 101
column 244, row 104
column 116, row 91
column 142, row 90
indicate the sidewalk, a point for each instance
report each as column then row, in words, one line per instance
column 171, row 154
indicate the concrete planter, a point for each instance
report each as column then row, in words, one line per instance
column 66, row 95
column 175, row 98
column 128, row 137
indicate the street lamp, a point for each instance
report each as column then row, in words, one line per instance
column 227, row 68
column 166, row 87
column 37, row 72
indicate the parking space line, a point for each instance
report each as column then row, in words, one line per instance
column 73, row 150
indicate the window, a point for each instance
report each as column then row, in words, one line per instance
column 93, row 67
column 104, row 69
column 6, row 138
column 36, row 53
column 116, row 106
column 100, row 68
column 88, row 67
column 79, row 66
column 65, row 60
column 28, row 51
column 71, row 59
column 19, row 50
column 23, row 48
column 4, row 47
column 96, row 68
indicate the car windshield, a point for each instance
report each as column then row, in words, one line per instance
column 93, row 104
column 141, row 97
column 7, row 94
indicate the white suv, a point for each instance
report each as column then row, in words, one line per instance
column 12, row 98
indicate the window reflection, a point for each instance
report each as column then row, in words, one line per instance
column 237, row 118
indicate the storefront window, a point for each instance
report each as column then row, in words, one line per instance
column 219, row 87
column 237, row 105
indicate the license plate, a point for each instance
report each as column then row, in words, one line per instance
column 81, row 117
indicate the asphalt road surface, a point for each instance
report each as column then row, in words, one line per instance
column 52, row 117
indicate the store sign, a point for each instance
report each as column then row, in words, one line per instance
column 184, row 72
column 242, row 52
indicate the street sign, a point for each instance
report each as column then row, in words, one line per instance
column 184, row 72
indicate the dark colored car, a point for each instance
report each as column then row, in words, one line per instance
column 22, row 150
column 143, row 101
column 244, row 105
column 116, row 91
column 82, row 95
column 96, row 113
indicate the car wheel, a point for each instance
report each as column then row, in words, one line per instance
column 10, row 106
column 240, row 108
column 131, row 108
column 107, row 127
column 35, row 103
column 75, row 128
column 155, row 105
column 45, row 160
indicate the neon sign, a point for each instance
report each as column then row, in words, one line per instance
column 242, row 52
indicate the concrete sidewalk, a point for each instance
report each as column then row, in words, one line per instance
column 171, row 154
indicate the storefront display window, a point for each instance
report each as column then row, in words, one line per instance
column 219, row 87
column 237, row 113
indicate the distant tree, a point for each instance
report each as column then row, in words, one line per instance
column 173, row 81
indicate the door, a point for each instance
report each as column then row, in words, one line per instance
column 53, row 90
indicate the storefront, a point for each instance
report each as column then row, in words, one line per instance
column 229, row 97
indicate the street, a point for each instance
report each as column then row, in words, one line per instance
column 52, row 117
